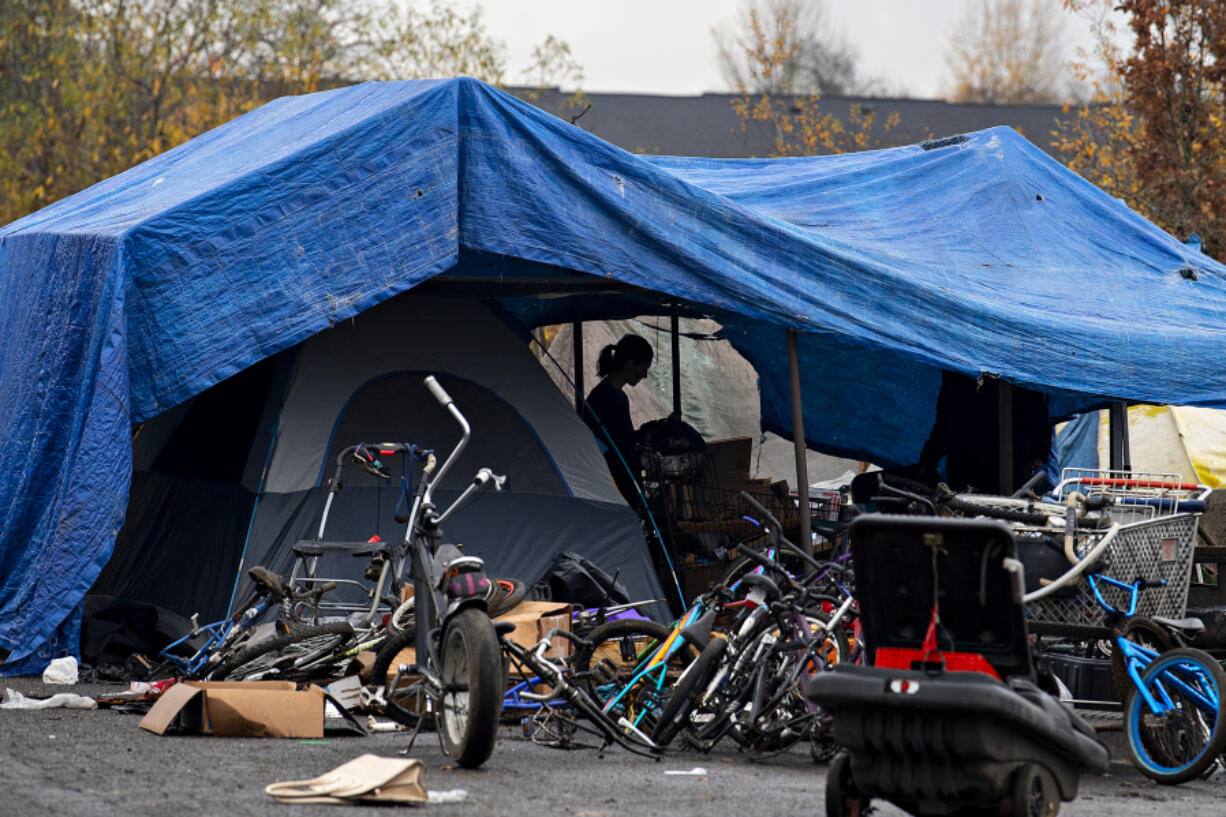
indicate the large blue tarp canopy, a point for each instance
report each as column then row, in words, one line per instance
column 980, row 254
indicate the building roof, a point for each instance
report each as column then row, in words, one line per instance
column 707, row 125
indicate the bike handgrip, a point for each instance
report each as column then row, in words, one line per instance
column 1097, row 503
column 1153, row 582
column 440, row 394
column 755, row 555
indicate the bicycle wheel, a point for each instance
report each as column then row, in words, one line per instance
column 279, row 657
column 785, row 715
column 692, row 681
column 505, row 596
column 1185, row 739
column 609, row 667
column 403, row 704
column 472, row 688
column 1145, row 633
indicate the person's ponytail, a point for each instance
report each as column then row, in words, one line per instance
column 605, row 363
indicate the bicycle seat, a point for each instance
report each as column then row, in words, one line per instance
column 1187, row 625
column 766, row 585
column 699, row 633
column 269, row 582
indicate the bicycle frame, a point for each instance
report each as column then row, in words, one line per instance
column 655, row 668
column 221, row 633
column 1138, row 657
column 423, row 534
column 618, row 730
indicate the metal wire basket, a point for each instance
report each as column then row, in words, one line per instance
column 1158, row 548
column 1134, row 495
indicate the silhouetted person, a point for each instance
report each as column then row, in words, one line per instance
column 967, row 434
column 607, row 410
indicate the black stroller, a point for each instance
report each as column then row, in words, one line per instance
column 947, row 718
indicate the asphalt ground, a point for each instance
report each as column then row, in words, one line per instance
column 98, row 762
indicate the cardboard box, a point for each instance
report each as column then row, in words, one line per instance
column 532, row 619
column 727, row 462
column 275, row 709
column 777, row 499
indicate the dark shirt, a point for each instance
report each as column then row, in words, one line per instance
column 607, row 413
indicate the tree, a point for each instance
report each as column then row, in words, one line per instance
column 89, row 88
column 1009, row 52
column 788, row 47
column 768, row 57
column 1155, row 134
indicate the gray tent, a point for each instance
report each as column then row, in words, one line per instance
column 234, row 477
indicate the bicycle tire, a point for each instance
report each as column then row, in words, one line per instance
column 610, row 657
column 396, row 709
column 1191, row 737
column 679, row 703
column 768, row 733
column 273, row 658
column 507, row 595
column 1008, row 514
column 403, row 617
column 471, row 675
column 1138, row 630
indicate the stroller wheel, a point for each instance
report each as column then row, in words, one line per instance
column 1034, row 793
column 841, row 797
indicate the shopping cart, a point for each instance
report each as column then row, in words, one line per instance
column 1135, row 496
column 1160, row 547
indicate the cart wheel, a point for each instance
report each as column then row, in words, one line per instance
column 841, row 799
column 1034, row 793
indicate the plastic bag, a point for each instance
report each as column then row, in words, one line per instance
column 61, row 671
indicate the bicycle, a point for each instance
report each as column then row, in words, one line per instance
column 751, row 684
column 610, row 724
column 229, row 651
column 457, row 666
column 1173, row 718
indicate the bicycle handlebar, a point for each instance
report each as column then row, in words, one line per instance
column 440, row 394
column 777, row 531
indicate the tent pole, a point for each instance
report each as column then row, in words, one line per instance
column 1121, row 457
column 1004, row 415
column 798, row 441
column 576, row 337
column 676, row 333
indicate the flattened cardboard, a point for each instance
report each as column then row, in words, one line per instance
column 243, row 709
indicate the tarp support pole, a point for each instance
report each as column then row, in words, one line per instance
column 675, row 328
column 1121, row 457
column 798, row 443
column 576, row 337
column 1004, row 415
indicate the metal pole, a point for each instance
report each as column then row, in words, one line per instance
column 676, row 332
column 798, row 440
column 1004, row 413
column 1121, row 458
column 576, row 337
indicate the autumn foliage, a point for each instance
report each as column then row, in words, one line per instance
column 1155, row 134
column 799, row 125
column 89, row 88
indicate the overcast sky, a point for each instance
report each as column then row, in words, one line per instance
column 666, row 47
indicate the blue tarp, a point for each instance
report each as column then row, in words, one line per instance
column 983, row 255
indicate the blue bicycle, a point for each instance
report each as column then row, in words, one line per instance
column 229, row 649
column 1172, row 698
